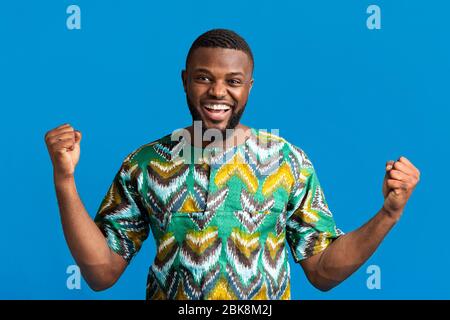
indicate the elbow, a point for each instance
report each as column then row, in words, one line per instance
column 323, row 287
column 98, row 285
column 100, row 280
column 322, row 283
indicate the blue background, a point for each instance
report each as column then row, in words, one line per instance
column 351, row 97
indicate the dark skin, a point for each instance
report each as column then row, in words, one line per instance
column 217, row 75
column 210, row 78
column 345, row 255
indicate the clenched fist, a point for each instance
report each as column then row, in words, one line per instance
column 399, row 182
column 63, row 144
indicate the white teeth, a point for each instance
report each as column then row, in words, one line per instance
column 217, row 106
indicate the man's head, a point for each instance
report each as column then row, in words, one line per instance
column 218, row 78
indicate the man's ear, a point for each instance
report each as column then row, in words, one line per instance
column 251, row 85
column 184, row 79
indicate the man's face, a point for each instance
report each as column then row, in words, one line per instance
column 217, row 83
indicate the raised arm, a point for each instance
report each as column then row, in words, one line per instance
column 346, row 254
column 100, row 266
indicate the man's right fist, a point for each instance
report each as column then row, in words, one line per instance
column 63, row 144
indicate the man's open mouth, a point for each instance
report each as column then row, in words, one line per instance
column 216, row 112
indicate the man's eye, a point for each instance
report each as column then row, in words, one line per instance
column 235, row 82
column 202, row 78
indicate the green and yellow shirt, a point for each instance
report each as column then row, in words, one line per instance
column 220, row 221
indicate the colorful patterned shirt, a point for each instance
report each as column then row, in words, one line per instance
column 220, row 221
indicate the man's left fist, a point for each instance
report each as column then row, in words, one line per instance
column 399, row 182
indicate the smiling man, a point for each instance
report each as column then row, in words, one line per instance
column 217, row 81
column 222, row 223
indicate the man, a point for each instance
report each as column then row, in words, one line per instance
column 221, row 221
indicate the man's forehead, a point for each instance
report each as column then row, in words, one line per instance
column 227, row 60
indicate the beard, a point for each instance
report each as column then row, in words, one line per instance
column 232, row 122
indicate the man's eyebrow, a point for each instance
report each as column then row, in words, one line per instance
column 201, row 70
column 236, row 73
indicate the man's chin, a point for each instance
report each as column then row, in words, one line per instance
column 215, row 129
column 220, row 126
column 211, row 129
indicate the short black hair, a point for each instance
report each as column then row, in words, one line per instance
column 221, row 38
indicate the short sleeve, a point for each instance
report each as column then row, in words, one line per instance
column 310, row 226
column 120, row 216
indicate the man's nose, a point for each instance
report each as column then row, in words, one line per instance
column 218, row 89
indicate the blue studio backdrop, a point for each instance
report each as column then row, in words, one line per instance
column 351, row 92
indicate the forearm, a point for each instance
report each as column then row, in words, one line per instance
column 85, row 240
column 347, row 253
